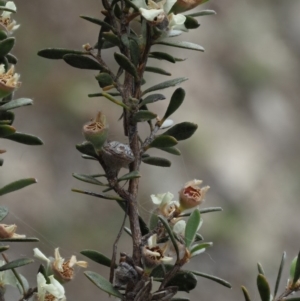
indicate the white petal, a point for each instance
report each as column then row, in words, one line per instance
column 60, row 290
column 179, row 227
column 157, row 199
column 167, row 199
column 151, row 14
column 38, row 254
column 168, row 5
column 166, row 259
column 2, row 69
column 177, row 22
column 166, row 124
column 198, row 252
column 152, row 241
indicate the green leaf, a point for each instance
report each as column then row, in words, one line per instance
column 134, row 51
column 210, row 209
column 3, row 248
column 16, row 264
column 191, row 23
column 104, row 79
column 115, row 101
column 87, row 179
column 162, row 56
column 82, row 62
column 213, row 278
column 171, row 234
column 163, row 141
column 246, row 294
column 260, row 269
column 143, row 115
column 6, row 46
column 129, row 176
column 182, row 131
column 192, row 227
column 152, row 98
column 17, row 185
column 101, row 94
column 3, row 35
column 180, row 299
column 6, row 130
column 206, row 12
column 201, row 246
column 16, row 103
column 279, row 274
column 166, row 84
column 171, row 150
column 126, row 64
column 175, row 102
column 3, row 212
column 57, row 53
column 297, row 269
column 157, row 161
column 11, row 59
column 99, row 195
column 263, row 288
column 157, row 70
column 153, row 221
column 103, row 284
column 25, row 139
column 25, row 239
column 112, row 39
column 105, row 26
column 87, row 148
column 7, row 117
column 97, row 257
column 181, row 44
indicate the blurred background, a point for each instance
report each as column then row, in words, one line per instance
column 243, row 92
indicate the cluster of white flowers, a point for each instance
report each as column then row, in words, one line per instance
column 6, row 21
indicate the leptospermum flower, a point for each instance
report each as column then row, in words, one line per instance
column 9, row 231
column 53, row 291
column 153, row 255
column 62, row 269
column 6, row 21
column 9, row 81
column 167, row 206
column 159, row 14
column 191, row 195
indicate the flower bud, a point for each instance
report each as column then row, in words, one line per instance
column 9, row 81
column 96, row 131
column 183, row 5
column 191, row 195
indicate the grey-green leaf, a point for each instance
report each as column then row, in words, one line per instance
column 57, row 53
column 87, row 179
column 279, row 274
column 192, row 227
column 3, row 212
column 182, row 131
column 157, row 70
column 206, row 12
column 297, row 270
column 163, row 141
column 213, row 278
column 144, row 115
column 152, row 98
column 129, row 176
column 246, row 294
column 182, row 44
column 260, row 269
column 171, row 150
column 6, row 130
column 126, row 64
column 11, row 59
column 166, row 84
column 157, row 161
column 201, row 246
column 6, row 46
column 25, row 239
column 263, row 287
column 25, row 139
column 103, row 284
column 17, row 185
column 87, row 148
column 104, row 25
column 16, row 103
column 175, row 102
column 99, row 195
column 82, row 62
column 3, row 248
column 97, row 257
column 191, row 23
column 162, row 56
column 16, row 263
column 104, row 79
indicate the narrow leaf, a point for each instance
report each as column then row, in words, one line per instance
column 206, row 12
column 25, row 139
column 126, row 64
column 87, row 179
column 213, row 278
column 112, row 99
column 143, row 115
column 166, row 84
column 87, row 148
column 263, row 288
column 3, row 248
column 297, row 270
column 97, row 257
column 191, row 23
column 82, row 62
column 6, row 130
column 260, row 269
column 16, row 103
column 3, row 212
column 25, row 239
column 246, row 294
column 6, row 46
column 17, row 185
column 171, row 150
column 11, row 59
column 157, row 161
column 162, row 56
column 182, row 131
column 101, row 94
column 192, row 227
column 199, row 247
column 163, row 141
column 279, row 274
column 152, row 98
column 157, row 70
column 104, row 25
column 181, row 44
column 175, row 102
column 16, row 263
column 184, row 280
column 171, row 234
column 103, row 284
column 99, row 195
column 131, row 175
column 112, row 39
column 57, row 53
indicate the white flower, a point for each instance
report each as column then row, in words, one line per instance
column 9, row 231
column 6, row 21
column 53, row 291
column 38, row 254
column 165, row 202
